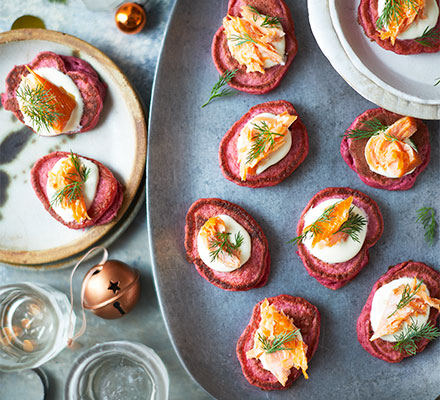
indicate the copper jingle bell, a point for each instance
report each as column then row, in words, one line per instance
column 111, row 290
column 130, row 18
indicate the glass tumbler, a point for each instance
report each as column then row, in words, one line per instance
column 118, row 370
column 34, row 325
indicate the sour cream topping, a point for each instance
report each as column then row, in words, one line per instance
column 234, row 228
column 89, row 188
column 271, row 158
column 417, row 28
column 342, row 251
column 384, row 303
column 61, row 80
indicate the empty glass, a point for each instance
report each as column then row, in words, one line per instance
column 34, row 325
column 118, row 370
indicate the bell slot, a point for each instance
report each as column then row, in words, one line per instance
column 117, row 305
column 97, row 270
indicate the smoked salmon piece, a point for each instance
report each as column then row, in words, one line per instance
column 274, row 323
column 390, row 152
column 409, row 12
column 233, row 159
column 209, row 232
column 255, row 82
column 390, row 324
column 106, row 203
column 353, row 151
column 336, row 275
column 254, row 272
column 251, row 43
column 327, row 228
column 368, row 16
column 277, row 126
column 383, row 349
column 275, row 316
column 66, row 176
column 92, row 89
column 63, row 103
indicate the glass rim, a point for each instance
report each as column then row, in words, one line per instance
column 137, row 352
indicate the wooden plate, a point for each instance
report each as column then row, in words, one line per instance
column 28, row 234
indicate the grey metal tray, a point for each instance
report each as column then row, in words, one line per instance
column 205, row 322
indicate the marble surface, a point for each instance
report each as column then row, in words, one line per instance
column 136, row 56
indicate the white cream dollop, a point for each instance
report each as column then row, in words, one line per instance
column 342, row 251
column 384, row 303
column 417, row 28
column 233, row 227
column 89, row 188
column 61, row 80
column 271, row 158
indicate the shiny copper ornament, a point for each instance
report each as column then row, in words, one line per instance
column 111, row 290
column 130, row 18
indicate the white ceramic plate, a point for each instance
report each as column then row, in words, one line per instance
column 28, row 234
column 403, row 84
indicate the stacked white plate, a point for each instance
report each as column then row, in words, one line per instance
column 404, row 84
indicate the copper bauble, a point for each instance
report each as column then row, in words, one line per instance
column 130, row 18
column 111, row 289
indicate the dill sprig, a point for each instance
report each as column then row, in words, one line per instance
column 353, row 225
column 224, row 79
column 268, row 22
column 276, row 344
column 241, row 39
column 392, row 11
column 371, row 128
column 221, row 244
column 392, row 138
column 263, row 138
column 314, row 228
column 426, row 215
column 430, row 37
column 407, row 295
column 39, row 104
column 73, row 190
column 406, row 340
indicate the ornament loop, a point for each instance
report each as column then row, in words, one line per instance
column 73, row 337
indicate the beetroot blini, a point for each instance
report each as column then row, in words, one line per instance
column 387, row 347
column 226, row 245
column 104, row 205
column 73, row 74
column 426, row 38
column 232, row 146
column 353, row 149
column 264, row 16
column 343, row 236
column 290, row 317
